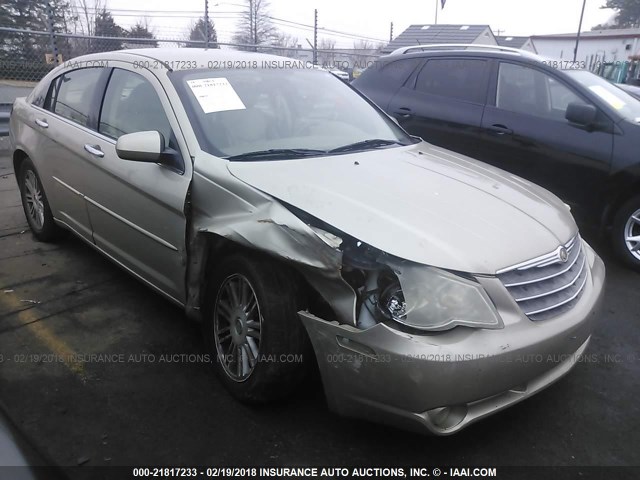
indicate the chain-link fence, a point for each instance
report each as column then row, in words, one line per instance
column 28, row 55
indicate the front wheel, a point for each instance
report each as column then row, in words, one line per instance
column 626, row 233
column 252, row 327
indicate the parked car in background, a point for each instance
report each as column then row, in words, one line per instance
column 631, row 90
column 288, row 213
column 570, row 131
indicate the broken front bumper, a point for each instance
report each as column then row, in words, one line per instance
column 440, row 383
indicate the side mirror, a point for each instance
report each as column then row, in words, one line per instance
column 141, row 146
column 581, row 114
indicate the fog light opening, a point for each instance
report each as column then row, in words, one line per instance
column 447, row 417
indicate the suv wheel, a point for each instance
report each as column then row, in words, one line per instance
column 35, row 204
column 252, row 327
column 626, row 232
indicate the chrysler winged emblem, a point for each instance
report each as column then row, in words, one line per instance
column 563, row 254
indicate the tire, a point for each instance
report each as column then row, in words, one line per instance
column 626, row 225
column 35, row 204
column 271, row 333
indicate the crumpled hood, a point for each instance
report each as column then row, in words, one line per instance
column 422, row 203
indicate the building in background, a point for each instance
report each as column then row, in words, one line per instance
column 596, row 47
column 522, row 43
column 442, row 34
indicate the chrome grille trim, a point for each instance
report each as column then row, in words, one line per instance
column 549, row 285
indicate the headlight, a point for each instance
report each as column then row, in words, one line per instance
column 428, row 298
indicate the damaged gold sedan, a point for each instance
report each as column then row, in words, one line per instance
column 289, row 215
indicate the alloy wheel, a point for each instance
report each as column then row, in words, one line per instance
column 34, row 198
column 237, row 324
column 632, row 234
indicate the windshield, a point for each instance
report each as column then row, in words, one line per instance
column 281, row 113
column 616, row 98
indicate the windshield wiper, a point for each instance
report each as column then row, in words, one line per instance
column 278, row 153
column 365, row 144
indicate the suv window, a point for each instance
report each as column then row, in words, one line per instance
column 73, row 93
column 462, row 79
column 532, row 92
column 130, row 105
column 398, row 71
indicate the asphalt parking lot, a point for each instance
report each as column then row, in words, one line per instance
column 133, row 392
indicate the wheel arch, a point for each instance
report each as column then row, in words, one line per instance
column 207, row 249
column 624, row 191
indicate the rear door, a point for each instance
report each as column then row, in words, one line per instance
column 65, row 123
column 137, row 209
column 444, row 102
column 525, row 132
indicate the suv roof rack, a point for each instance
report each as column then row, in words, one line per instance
column 403, row 50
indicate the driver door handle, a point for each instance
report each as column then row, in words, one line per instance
column 42, row 123
column 94, row 150
column 499, row 129
column 404, row 112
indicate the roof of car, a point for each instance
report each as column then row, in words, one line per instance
column 194, row 58
column 494, row 51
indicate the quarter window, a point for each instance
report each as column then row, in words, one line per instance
column 532, row 92
column 130, row 105
column 73, row 94
column 399, row 71
column 462, row 79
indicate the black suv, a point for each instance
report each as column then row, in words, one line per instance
column 566, row 129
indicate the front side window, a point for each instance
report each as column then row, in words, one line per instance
column 131, row 105
column 617, row 99
column 302, row 110
column 461, row 79
column 73, row 93
column 532, row 92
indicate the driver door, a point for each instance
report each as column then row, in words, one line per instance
column 524, row 131
column 137, row 209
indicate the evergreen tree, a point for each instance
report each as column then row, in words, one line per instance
column 141, row 30
column 106, row 26
column 198, row 34
column 628, row 13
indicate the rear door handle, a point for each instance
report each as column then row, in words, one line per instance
column 94, row 150
column 403, row 112
column 500, row 129
column 42, row 123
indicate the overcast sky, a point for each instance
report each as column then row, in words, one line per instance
column 371, row 18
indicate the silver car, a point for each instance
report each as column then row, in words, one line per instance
column 291, row 216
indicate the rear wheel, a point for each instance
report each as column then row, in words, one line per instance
column 252, row 327
column 35, row 204
column 626, row 233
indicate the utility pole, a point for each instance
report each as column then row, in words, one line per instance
column 437, row 11
column 575, row 51
column 315, row 37
column 52, row 34
column 206, row 24
column 391, row 33
column 255, row 25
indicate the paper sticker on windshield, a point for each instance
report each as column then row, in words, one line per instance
column 215, row 95
column 608, row 97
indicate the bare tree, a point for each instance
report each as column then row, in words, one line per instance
column 365, row 52
column 326, row 52
column 286, row 43
column 255, row 26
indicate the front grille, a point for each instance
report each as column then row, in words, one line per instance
column 548, row 286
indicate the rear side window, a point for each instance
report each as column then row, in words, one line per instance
column 397, row 72
column 73, row 93
column 131, row 105
column 462, row 79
